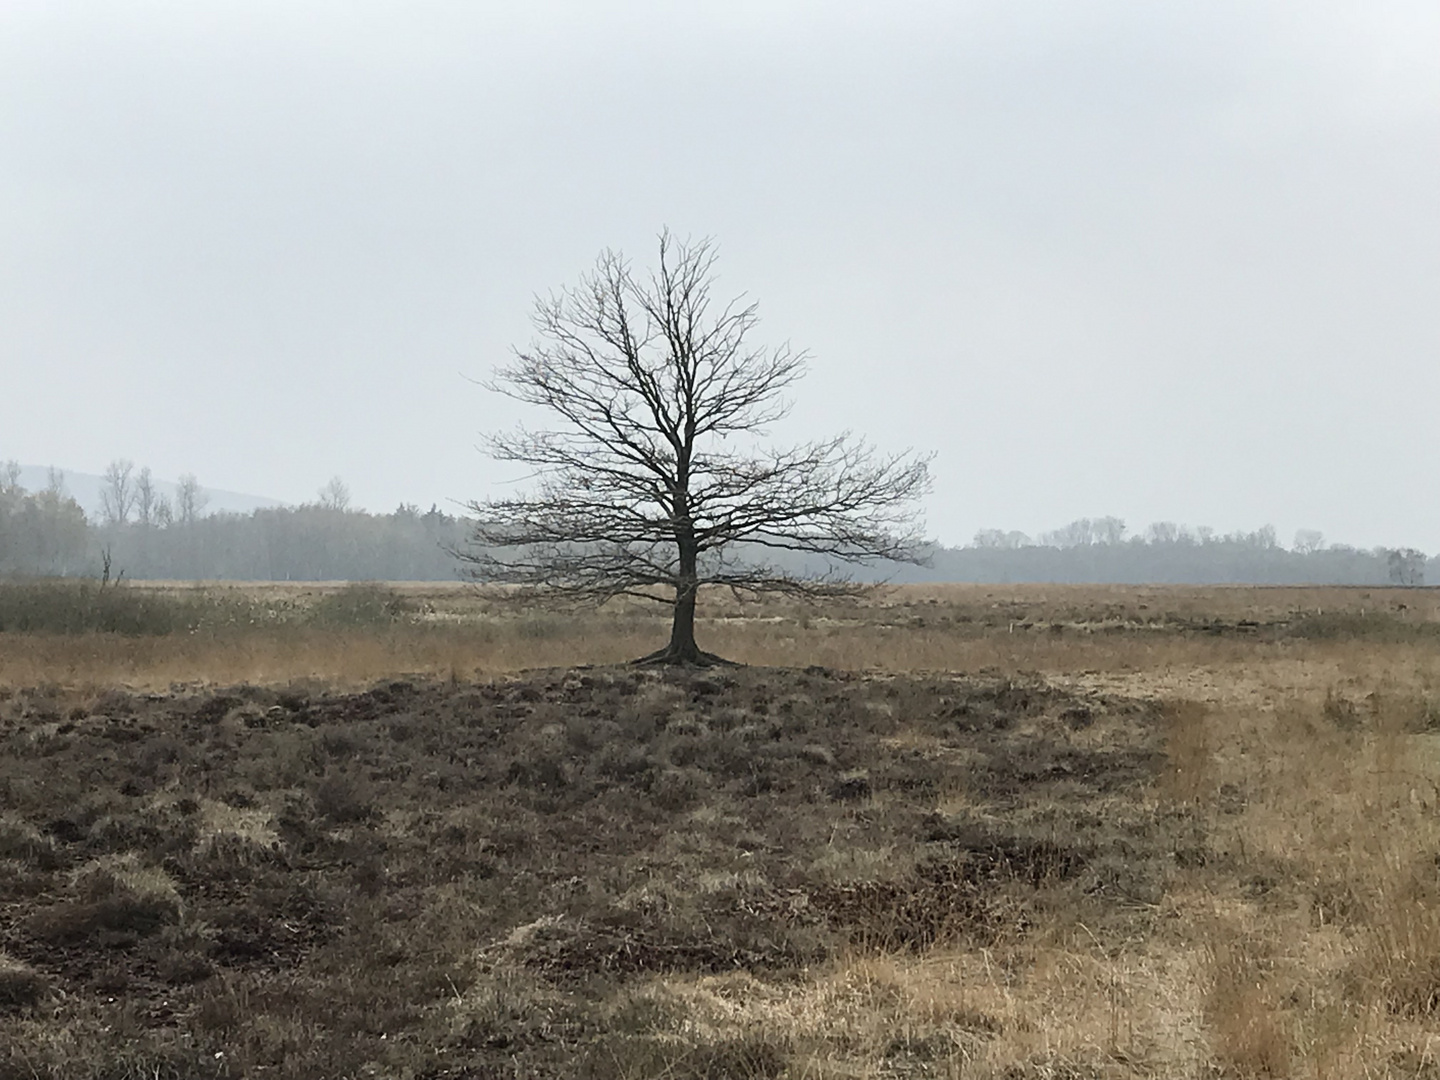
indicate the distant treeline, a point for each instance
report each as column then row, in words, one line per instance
column 1098, row 551
column 46, row 534
column 1220, row 561
column 42, row 533
column 303, row 543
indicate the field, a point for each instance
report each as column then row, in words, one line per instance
column 964, row 831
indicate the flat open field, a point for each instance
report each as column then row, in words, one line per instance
column 960, row 831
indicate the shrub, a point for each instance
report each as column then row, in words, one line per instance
column 362, row 605
column 21, row 986
column 1370, row 626
column 117, row 897
column 344, row 798
column 22, row 842
column 81, row 607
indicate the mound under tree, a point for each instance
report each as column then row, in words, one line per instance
column 656, row 478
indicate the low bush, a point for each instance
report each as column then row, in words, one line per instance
column 1380, row 626
column 22, row 843
column 364, row 604
column 21, row 986
column 118, row 899
column 82, row 607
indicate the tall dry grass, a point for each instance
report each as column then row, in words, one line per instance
column 1302, row 941
column 275, row 632
column 1320, row 910
column 356, row 656
column 355, row 634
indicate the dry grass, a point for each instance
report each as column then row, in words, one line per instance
column 462, row 633
column 1168, row 833
column 21, row 986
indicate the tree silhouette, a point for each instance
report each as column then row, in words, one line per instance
column 117, row 492
column 656, row 480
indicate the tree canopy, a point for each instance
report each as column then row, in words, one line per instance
column 656, row 477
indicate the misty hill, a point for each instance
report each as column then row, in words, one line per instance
column 85, row 489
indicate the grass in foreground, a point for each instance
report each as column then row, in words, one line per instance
column 1202, row 843
column 759, row 873
column 602, row 873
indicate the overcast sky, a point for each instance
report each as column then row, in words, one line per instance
column 1163, row 261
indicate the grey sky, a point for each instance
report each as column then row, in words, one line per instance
column 1163, row 261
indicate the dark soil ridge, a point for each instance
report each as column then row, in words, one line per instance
column 351, row 865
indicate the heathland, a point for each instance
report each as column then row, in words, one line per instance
column 939, row 831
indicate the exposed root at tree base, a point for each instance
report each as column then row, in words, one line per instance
column 668, row 657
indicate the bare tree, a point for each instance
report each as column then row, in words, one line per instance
column 1078, row 533
column 1001, row 540
column 1308, row 541
column 335, row 495
column 190, row 500
column 10, row 478
column 1163, row 532
column 117, row 495
column 1406, row 566
column 1109, row 530
column 145, row 498
column 655, row 482
column 1263, row 537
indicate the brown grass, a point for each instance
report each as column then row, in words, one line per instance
column 460, row 632
column 1092, row 833
column 21, row 986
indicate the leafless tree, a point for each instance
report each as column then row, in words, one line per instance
column 1263, row 537
column 190, row 500
column 1109, row 530
column 1001, row 540
column 1407, row 566
column 1308, row 541
column 146, row 498
column 335, row 495
column 117, row 495
column 10, row 477
column 656, row 480
column 1082, row 532
column 1163, row 532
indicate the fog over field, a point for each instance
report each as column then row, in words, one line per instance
column 1167, row 262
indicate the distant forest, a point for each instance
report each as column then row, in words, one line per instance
column 1099, row 551
column 145, row 536
column 141, row 535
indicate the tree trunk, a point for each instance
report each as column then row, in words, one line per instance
column 682, row 651
column 682, row 648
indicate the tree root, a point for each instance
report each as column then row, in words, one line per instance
column 668, row 657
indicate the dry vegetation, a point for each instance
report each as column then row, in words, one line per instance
column 997, row 832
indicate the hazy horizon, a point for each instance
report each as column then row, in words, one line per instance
column 86, row 489
column 1171, row 264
